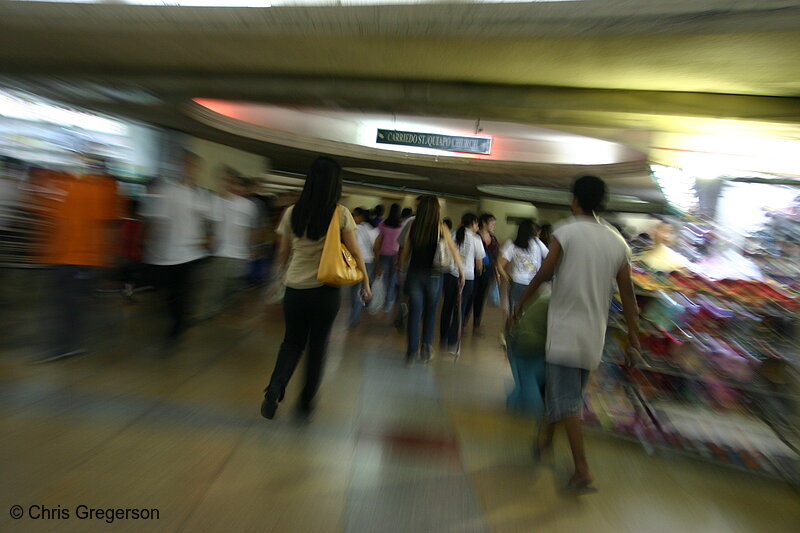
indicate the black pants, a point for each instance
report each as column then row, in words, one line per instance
column 482, row 284
column 449, row 293
column 309, row 315
column 450, row 320
column 177, row 280
column 72, row 298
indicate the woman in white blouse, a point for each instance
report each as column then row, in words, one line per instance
column 521, row 259
column 470, row 248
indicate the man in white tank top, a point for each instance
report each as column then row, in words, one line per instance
column 586, row 258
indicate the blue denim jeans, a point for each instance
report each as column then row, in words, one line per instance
column 423, row 288
column 515, row 293
column 527, row 397
column 355, row 296
column 389, row 278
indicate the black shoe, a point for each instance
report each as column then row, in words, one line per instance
column 269, row 405
column 302, row 415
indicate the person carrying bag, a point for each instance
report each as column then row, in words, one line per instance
column 526, row 345
column 316, row 269
column 338, row 266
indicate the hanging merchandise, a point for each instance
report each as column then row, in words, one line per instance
column 720, row 380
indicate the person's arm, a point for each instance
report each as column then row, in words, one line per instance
column 284, row 251
column 502, row 265
column 376, row 249
column 349, row 240
column 630, row 310
column 545, row 274
column 454, row 252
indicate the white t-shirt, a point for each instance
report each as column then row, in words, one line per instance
column 582, row 286
column 366, row 236
column 524, row 263
column 470, row 251
column 405, row 228
column 234, row 217
column 177, row 214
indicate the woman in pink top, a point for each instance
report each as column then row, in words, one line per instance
column 386, row 248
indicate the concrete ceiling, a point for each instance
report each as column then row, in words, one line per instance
column 639, row 72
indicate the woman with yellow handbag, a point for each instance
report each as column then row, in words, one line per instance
column 316, row 268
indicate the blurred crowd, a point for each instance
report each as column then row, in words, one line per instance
column 202, row 247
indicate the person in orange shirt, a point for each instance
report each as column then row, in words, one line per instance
column 83, row 213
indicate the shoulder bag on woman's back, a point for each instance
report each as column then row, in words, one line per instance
column 443, row 260
column 337, row 266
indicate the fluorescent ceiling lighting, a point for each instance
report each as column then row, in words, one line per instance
column 677, row 186
column 28, row 109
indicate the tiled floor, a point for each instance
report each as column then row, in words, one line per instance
column 390, row 449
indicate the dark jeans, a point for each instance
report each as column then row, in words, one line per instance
column 515, row 293
column 177, row 280
column 72, row 299
column 449, row 323
column 389, row 274
column 309, row 315
column 482, row 285
column 424, row 288
column 355, row 296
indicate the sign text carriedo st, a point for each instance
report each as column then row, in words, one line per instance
column 451, row 143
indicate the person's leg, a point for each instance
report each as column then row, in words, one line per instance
column 467, row 296
column 449, row 287
column 296, row 313
column 482, row 283
column 213, row 293
column 62, row 315
column 515, row 294
column 170, row 279
column 565, row 388
column 356, row 304
column 415, row 309
column 433, row 290
column 84, row 290
column 326, row 306
column 387, row 268
column 530, row 396
column 183, row 283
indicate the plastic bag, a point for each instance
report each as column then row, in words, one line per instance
column 494, row 295
column 378, row 296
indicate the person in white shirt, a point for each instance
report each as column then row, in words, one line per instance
column 520, row 260
column 586, row 258
column 471, row 251
column 366, row 235
column 235, row 220
column 176, row 213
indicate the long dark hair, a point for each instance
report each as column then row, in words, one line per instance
column 323, row 188
column 525, row 233
column 545, row 232
column 425, row 228
column 467, row 220
column 393, row 220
